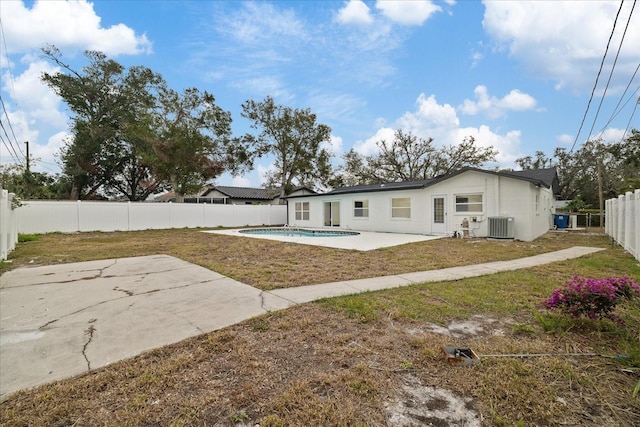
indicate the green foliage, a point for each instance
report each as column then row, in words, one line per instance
column 22, row 238
column 576, row 205
column 29, row 185
column 132, row 136
column 294, row 138
column 614, row 167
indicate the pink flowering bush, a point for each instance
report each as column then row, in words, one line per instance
column 592, row 298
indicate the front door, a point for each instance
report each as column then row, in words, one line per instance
column 439, row 214
column 332, row 214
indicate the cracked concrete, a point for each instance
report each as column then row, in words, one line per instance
column 58, row 321
column 62, row 320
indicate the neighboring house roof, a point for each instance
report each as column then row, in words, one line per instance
column 545, row 177
column 169, row 196
column 245, row 192
column 251, row 193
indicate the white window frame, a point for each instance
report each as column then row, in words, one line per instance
column 463, row 207
column 302, row 211
column 363, row 210
column 400, row 212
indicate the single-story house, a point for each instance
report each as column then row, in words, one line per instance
column 227, row 195
column 473, row 201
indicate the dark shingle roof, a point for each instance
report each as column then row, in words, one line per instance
column 545, row 177
column 248, row 193
column 548, row 176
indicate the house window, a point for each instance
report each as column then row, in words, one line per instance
column 438, row 210
column 537, row 204
column 302, row 211
column 401, row 207
column 361, row 208
column 469, row 203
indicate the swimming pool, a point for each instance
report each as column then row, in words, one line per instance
column 298, row 232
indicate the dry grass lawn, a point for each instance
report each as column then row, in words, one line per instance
column 372, row 359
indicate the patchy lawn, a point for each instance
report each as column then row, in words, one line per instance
column 368, row 359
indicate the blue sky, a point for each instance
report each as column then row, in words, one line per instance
column 516, row 75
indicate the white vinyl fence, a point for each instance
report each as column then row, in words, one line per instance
column 70, row 216
column 8, row 224
column 622, row 221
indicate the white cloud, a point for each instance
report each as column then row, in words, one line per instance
column 37, row 100
column 65, row 24
column 334, row 146
column 429, row 116
column 264, row 171
column 407, row 12
column 564, row 41
column 260, row 21
column 508, row 145
column 565, row 139
column 494, row 107
column 440, row 122
column 240, row 181
column 355, row 12
column 47, row 155
column 370, row 146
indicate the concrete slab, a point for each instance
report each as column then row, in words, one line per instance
column 62, row 320
column 114, row 309
column 364, row 241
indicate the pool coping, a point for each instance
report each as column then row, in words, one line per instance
column 364, row 241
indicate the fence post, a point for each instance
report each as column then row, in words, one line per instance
column 4, row 224
column 620, row 231
column 636, row 223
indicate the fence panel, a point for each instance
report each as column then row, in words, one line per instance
column 8, row 224
column 149, row 216
column 65, row 216
column 623, row 221
column 47, row 216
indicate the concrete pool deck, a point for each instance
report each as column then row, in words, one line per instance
column 62, row 320
column 364, row 241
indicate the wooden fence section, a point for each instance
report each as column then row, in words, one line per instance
column 622, row 221
column 72, row 216
column 8, row 224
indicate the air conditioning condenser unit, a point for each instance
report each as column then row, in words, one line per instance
column 501, row 227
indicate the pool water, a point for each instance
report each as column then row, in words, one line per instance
column 298, row 232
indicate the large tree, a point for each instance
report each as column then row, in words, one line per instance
column 596, row 171
column 133, row 136
column 295, row 139
column 191, row 141
column 409, row 158
column 103, row 98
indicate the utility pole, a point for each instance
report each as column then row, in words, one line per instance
column 27, row 144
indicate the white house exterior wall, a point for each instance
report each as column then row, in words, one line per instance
column 502, row 196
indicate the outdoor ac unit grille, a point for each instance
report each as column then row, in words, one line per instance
column 501, row 227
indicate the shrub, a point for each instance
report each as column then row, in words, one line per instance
column 592, row 298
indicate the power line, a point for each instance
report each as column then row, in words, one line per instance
column 9, row 147
column 617, row 111
column 597, row 76
column 10, row 127
column 630, row 118
column 6, row 52
column 4, row 108
column 613, row 67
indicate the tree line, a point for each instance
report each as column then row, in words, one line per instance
column 132, row 136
